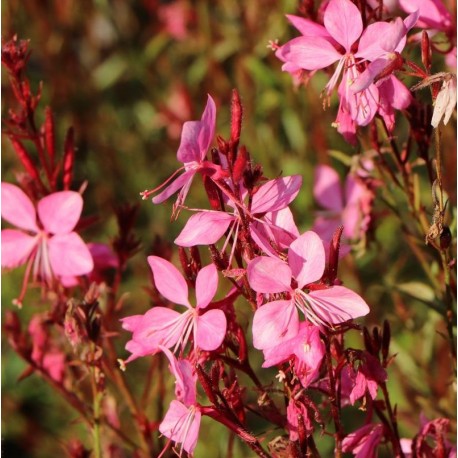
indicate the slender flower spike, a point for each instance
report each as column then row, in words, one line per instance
column 278, row 320
column 182, row 420
column 196, row 139
column 162, row 326
column 53, row 250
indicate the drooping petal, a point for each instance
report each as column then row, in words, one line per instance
column 181, row 424
column 391, row 40
column 17, row 208
column 327, row 189
column 307, row 259
column 204, row 228
column 343, row 21
column 183, row 180
column 366, row 78
column 211, row 329
column 207, row 129
column 337, row 304
column 311, row 53
column 206, row 285
column 269, row 275
column 16, row 247
column 59, row 212
column 395, row 93
column 69, row 255
column 169, row 281
column 185, row 386
column 274, row 323
column 276, row 194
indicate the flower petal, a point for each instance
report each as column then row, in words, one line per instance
column 206, row 285
column 269, row 275
column 207, row 129
column 310, row 53
column 16, row 247
column 59, row 212
column 183, row 180
column 17, row 208
column 307, row 27
column 343, row 21
column 169, row 281
column 159, row 326
column 274, row 323
column 69, row 255
column 327, row 189
column 181, row 424
column 307, row 259
column 211, row 329
column 337, row 304
column 204, row 228
column 276, row 194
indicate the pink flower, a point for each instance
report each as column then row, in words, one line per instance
column 44, row 354
column 333, row 43
column 293, row 411
column 162, row 326
column 278, row 321
column 349, row 206
column 196, row 139
column 207, row 227
column 307, row 349
column 54, row 249
column 363, row 443
column 182, row 420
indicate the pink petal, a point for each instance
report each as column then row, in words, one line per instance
column 181, row 424
column 364, row 105
column 327, row 189
column 59, row 212
column 189, row 150
column 158, row 327
column 307, row 27
column 269, row 275
column 391, row 40
column 16, row 247
column 17, row 208
column 183, row 180
column 207, row 130
column 342, row 20
column 204, row 228
column 311, row 53
column 274, row 323
column 366, row 78
column 211, row 329
column 276, row 194
column 307, row 258
column 185, row 386
column 69, row 255
column 369, row 47
column 395, row 93
column 169, row 281
column 337, row 304
column 206, row 285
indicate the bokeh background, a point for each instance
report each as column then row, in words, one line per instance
column 127, row 74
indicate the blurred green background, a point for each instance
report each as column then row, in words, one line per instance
column 126, row 75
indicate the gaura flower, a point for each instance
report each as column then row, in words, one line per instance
column 181, row 423
column 196, row 139
column 164, row 327
column 363, row 443
column 46, row 241
column 278, row 320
